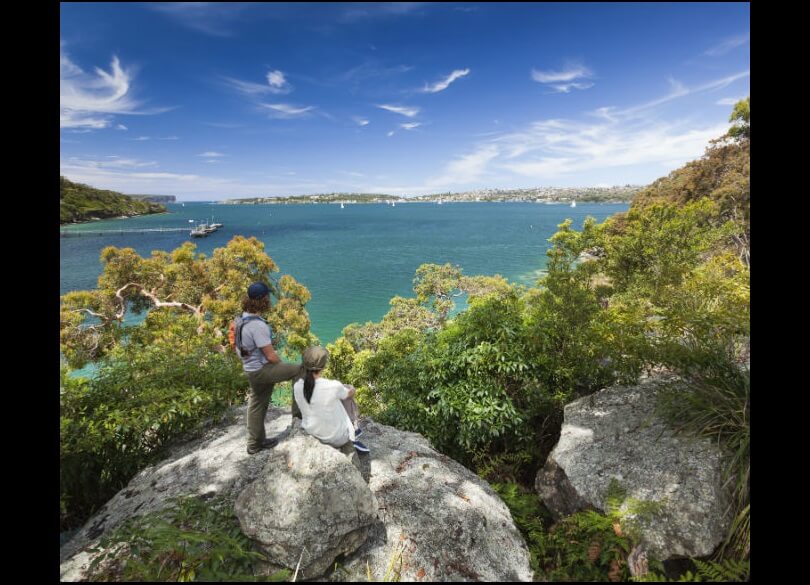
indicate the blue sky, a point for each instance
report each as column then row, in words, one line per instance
column 209, row 101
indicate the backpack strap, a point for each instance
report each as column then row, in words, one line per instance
column 240, row 323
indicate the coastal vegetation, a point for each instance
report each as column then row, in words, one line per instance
column 665, row 286
column 79, row 202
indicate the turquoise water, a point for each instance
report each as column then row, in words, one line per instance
column 352, row 260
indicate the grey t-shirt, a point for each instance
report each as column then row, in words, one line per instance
column 255, row 335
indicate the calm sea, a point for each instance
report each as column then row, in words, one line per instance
column 352, row 260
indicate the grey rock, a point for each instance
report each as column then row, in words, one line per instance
column 215, row 464
column 310, row 505
column 438, row 520
column 615, row 434
column 422, row 517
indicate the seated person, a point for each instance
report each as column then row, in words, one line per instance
column 329, row 412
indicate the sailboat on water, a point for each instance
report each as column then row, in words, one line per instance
column 341, row 205
column 573, row 204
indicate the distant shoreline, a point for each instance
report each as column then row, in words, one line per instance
column 92, row 219
column 409, row 201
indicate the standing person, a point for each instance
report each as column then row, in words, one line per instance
column 262, row 365
column 329, row 412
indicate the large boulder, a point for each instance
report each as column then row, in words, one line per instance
column 215, row 464
column 615, row 434
column 310, row 505
column 438, row 520
column 419, row 514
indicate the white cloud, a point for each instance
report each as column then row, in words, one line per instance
column 565, row 80
column 285, row 111
column 729, row 101
column 121, row 127
column 210, row 154
column 168, row 138
column 276, row 84
column 567, row 87
column 390, row 133
column 116, row 162
column 445, row 83
column 553, row 148
column 360, row 121
column 409, row 111
column 217, row 19
column 141, row 138
column 410, row 125
column 89, row 101
column 728, row 44
column 467, row 168
column 570, row 73
column 678, row 90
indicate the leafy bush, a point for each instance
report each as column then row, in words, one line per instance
column 193, row 540
column 143, row 398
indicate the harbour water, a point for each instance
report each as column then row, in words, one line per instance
column 353, row 260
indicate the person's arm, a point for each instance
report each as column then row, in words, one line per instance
column 350, row 390
column 270, row 354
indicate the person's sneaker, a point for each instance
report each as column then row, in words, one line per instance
column 360, row 447
column 357, row 432
column 266, row 444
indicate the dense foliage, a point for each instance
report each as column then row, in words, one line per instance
column 163, row 378
column 79, row 202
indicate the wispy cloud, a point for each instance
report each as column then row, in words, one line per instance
column 142, row 138
column 168, row 138
column 360, row 121
column 355, row 11
column 390, row 133
column 276, row 84
column 285, row 111
column 678, row 90
column 445, row 83
column 409, row 111
column 217, row 19
column 410, row 125
column 564, row 80
column 210, row 154
column 89, row 101
column 106, row 175
column 467, row 168
column 728, row 44
column 121, row 127
column 729, row 101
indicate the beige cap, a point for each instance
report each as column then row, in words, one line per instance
column 315, row 358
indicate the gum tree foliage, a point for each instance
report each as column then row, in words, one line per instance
column 180, row 282
column 164, row 378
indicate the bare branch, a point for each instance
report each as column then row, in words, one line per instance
column 197, row 311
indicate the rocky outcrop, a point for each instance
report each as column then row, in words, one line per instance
column 310, row 505
column 438, row 520
column 419, row 515
column 614, row 434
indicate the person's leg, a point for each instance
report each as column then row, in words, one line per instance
column 257, row 409
column 350, row 405
column 274, row 373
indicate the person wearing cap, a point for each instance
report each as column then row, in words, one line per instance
column 329, row 412
column 262, row 365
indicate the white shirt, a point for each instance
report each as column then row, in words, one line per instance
column 324, row 417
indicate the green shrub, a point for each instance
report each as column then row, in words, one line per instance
column 193, row 540
column 141, row 400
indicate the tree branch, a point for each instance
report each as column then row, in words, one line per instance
column 197, row 311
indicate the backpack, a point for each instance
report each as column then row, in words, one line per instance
column 235, row 333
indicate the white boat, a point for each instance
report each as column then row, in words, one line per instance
column 393, row 204
column 573, row 204
column 341, row 205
